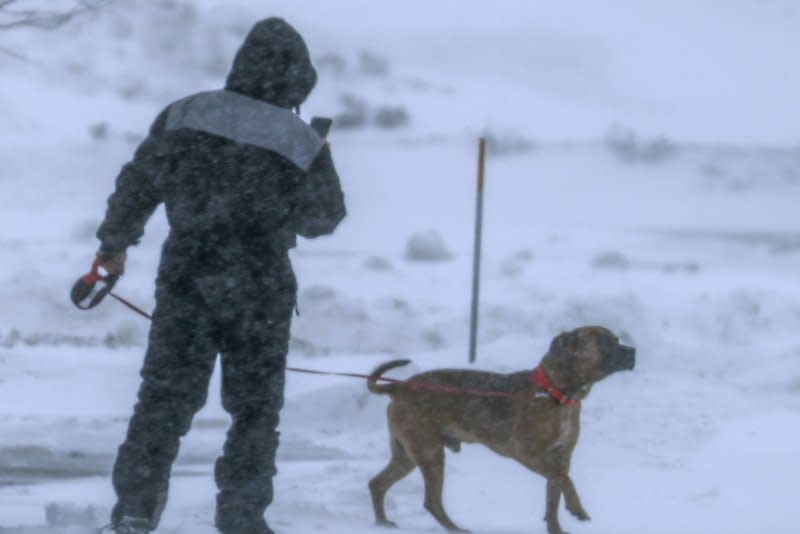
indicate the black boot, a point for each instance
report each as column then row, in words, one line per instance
column 132, row 525
column 228, row 521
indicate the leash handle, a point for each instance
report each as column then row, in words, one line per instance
column 85, row 285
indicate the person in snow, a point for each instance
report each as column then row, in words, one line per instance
column 240, row 175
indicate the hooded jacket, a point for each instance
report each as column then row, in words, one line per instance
column 239, row 173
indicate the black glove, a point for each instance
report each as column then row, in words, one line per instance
column 113, row 263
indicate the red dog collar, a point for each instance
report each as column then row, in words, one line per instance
column 541, row 380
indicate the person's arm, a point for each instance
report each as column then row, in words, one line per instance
column 136, row 195
column 317, row 202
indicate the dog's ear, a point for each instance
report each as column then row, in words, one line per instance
column 565, row 342
column 562, row 351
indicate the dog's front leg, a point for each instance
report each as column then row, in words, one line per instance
column 551, row 470
column 571, row 498
column 557, row 485
column 558, row 463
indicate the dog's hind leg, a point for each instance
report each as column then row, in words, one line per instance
column 551, row 506
column 399, row 466
column 431, row 463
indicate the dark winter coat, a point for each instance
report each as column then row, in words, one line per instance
column 240, row 176
column 239, row 173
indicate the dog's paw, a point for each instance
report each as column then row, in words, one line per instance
column 386, row 523
column 580, row 514
column 553, row 527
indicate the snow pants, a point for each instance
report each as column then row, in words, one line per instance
column 247, row 322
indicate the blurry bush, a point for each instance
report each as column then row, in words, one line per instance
column 354, row 114
column 371, row 64
column 624, row 143
column 391, row 117
column 99, row 131
column 611, row 259
column 331, row 63
column 357, row 113
column 507, row 143
column 377, row 264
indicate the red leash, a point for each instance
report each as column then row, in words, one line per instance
column 86, row 284
column 539, row 379
column 131, row 306
column 413, row 384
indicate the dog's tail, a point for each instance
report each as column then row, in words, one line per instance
column 384, row 389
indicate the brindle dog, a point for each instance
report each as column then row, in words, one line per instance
column 534, row 419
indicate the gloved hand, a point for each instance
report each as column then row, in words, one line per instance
column 113, row 263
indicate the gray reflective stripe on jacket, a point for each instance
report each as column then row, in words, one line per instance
column 248, row 121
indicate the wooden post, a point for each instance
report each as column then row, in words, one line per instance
column 476, row 256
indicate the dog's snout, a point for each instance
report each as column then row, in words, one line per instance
column 628, row 357
column 622, row 359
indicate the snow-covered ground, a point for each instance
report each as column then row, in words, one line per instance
column 643, row 171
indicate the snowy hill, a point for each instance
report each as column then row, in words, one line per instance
column 642, row 174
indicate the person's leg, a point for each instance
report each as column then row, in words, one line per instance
column 253, row 376
column 177, row 368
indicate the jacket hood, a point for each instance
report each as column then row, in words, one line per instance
column 273, row 65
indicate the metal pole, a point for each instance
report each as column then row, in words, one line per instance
column 476, row 256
